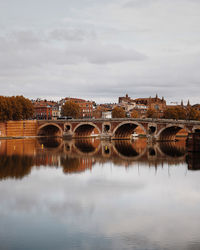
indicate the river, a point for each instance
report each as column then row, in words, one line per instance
column 92, row 194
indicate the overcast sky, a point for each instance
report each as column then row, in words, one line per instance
column 100, row 49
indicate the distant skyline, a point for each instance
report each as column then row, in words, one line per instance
column 100, row 50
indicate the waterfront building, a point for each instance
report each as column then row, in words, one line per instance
column 141, row 105
column 86, row 107
column 45, row 110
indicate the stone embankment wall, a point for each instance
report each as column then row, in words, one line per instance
column 18, row 128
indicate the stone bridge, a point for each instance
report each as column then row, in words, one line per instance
column 116, row 128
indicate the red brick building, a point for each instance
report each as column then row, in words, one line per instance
column 86, row 107
column 154, row 103
column 141, row 105
column 45, row 110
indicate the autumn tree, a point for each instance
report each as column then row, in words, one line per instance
column 26, row 107
column 176, row 112
column 4, row 108
column 70, row 109
column 118, row 112
column 15, row 108
column 192, row 114
column 150, row 113
column 134, row 114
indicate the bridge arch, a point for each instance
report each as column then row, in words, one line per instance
column 50, row 129
column 126, row 150
column 85, row 129
column 196, row 128
column 169, row 132
column 126, row 129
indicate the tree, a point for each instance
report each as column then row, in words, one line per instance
column 150, row 113
column 176, row 112
column 15, row 108
column 26, row 107
column 192, row 114
column 118, row 112
column 134, row 114
column 4, row 114
column 70, row 109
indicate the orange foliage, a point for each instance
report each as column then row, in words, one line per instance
column 118, row 112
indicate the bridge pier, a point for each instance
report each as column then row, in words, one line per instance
column 67, row 135
column 151, row 138
column 105, row 136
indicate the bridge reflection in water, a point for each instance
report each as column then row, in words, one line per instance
column 18, row 157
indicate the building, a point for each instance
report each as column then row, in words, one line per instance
column 141, row 105
column 86, row 107
column 125, row 99
column 103, row 110
column 154, row 103
column 45, row 110
column 141, row 110
column 107, row 114
column 127, row 104
column 196, row 107
column 56, row 111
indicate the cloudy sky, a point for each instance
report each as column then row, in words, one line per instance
column 100, row 49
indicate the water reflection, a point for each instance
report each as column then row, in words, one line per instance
column 15, row 166
column 88, row 194
column 19, row 156
column 193, row 161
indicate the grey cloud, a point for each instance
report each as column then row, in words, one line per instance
column 139, row 3
column 71, row 34
column 25, row 49
column 25, row 37
column 100, row 54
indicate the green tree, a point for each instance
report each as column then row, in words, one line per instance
column 118, row 112
column 70, row 109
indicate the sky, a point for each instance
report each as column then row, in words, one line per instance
column 100, row 49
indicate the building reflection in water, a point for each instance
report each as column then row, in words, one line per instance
column 75, row 156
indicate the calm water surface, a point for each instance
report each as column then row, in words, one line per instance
column 87, row 194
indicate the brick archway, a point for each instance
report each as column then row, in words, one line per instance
column 197, row 127
column 125, row 129
column 85, row 129
column 49, row 129
column 169, row 132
